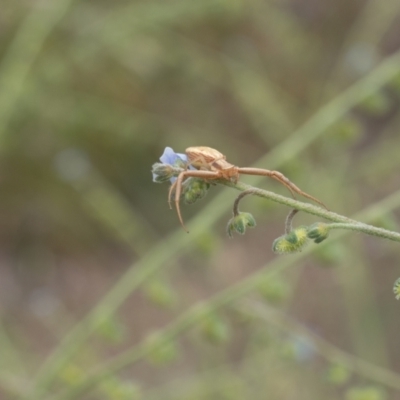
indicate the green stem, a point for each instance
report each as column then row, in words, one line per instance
column 22, row 52
column 364, row 228
column 238, row 199
column 289, row 219
column 340, row 221
column 330, row 352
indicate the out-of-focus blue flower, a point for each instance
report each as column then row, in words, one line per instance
column 169, row 157
column 304, row 348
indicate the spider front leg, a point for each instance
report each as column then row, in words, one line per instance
column 177, row 185
column 278, row 176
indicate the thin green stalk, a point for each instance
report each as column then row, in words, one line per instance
column 15, row 66
column 221, row 299
column 332, row 112
column 179, row 241
column 380, row 232
column 327, row 350
column 289, row 220
column 367, row 31
column 22, row 52
column 341, row 222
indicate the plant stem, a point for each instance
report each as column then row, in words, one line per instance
column 19, row 57
column 237, row 201
column 289, row 220
column 340, row 220
column 327, row 350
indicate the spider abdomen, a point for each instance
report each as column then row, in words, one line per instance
column 207, row 158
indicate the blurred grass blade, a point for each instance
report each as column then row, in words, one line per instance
column 22, row 53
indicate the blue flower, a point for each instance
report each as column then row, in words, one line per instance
column 169, row 157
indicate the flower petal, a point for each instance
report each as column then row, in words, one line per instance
column 169, row 156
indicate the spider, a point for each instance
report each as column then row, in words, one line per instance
column 210, row 164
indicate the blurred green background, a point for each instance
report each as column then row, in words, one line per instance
column 91, row 92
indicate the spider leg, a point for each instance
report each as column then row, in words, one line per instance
column 178, row 187
column 278, row 176
column 171, row 190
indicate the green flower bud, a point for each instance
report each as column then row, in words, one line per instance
column 396, row 289
column 338, row 374
column 346, row 131
column 195, row 189
column 160, row 293
column 274, row 290
column 162, row 172
column 162, row 351
column 239, row 223
column 292, row 242
column 376, row 104
column 207, row 243
column 215, row 329
column 318, row 232
column 332, row 255
column 116, row 389
column 72, row 374
column 112, row 330
column 395, row 83
column 365, row 393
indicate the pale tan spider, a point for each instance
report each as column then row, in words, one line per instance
column 210, row 164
